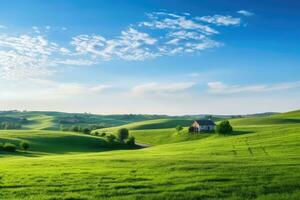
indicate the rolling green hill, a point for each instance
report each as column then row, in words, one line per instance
column 44, row 120
column 258, row 161
column 55, row 142
column 158, row 131
column 154, row 124
column 284, row 118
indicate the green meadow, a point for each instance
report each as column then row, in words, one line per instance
column 259, row 160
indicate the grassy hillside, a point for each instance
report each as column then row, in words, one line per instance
column 158, row 131
column 262, row 163
column 154, row 124
column 256, row 162
column 55, row 142
column 284, row 118
column 44, row 120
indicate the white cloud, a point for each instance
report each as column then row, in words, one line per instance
column 75, row 62
column 2, row 26
column 162, row 20
column 45, row 89
column 194, row 74
column 161, row 34
column 245, row 13
column 221, row 88
column 24, row 56
column 131, row 45
column 161, row 88
column 221, row 20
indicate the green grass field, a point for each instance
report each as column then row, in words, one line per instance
column 260, row 160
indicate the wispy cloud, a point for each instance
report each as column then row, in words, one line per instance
column 245, row 13
column 194, row 74
column 131, row 45
column 46, row 89
column 2, row 26
column 160, row 34
column 75, row 62
column 25, row 56
column 175, row 34
column 221, row 88
column 161, row 88
column 221, row 20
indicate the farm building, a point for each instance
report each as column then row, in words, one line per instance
column 203, row 125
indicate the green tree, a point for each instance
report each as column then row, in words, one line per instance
column 24, row 145
column 130, row 141
column 179, row 128
column 86, row 131
column 123, row 134
column 110, row 138
column 224, row 127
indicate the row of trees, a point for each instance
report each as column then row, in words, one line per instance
column 79, row 129
column 122, row 137
column 9, row 147
column 10, row 125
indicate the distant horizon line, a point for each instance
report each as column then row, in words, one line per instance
column 175, row 115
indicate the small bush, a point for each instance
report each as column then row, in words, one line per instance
column 130, row 141
column 224, row 127
column 179, row 128
column 111, row 138
column 9, row 147
column 1, row 147
column 103, row 134
column 96, row 133
column 191, row 129
column 86, row 131
column 24, row 145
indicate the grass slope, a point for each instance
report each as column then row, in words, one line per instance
column 158, row 131
column 55, row 142
column 54, row 120
column 284, row 118
column 154, row 124
column 256, row 162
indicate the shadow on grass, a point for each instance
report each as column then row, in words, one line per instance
column 240, row 132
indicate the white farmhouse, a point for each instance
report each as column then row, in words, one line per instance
column 203, row 125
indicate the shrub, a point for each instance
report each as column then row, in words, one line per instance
column 9, row 147
column 96, row 133
column 86, row 131
column 224, row 127
column 123, row 134
column 75, row 128
column 103, row 134
column 110, row 138
column 191, row 129
column 1, row 147
column 24, row 145
column 179, row 128
column 130, row 141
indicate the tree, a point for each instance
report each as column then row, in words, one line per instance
column 224, row 127
column 86, row 131
column 191, row 129
column 24, row 145
column 179, row 128
column 110, row 138
column 123, row 134
column 131, row 141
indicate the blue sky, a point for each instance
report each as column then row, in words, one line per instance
column 162, row 57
